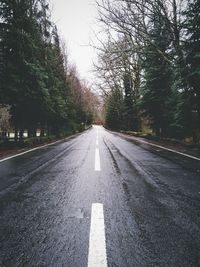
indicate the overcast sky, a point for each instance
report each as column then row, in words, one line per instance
column 76, row 21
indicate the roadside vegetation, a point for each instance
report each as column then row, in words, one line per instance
column 149, row 67
column 41, row 94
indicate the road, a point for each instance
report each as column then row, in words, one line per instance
column 99, row 199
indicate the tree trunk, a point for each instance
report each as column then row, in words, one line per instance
column 42, row 131
column 21, row 135
column 16, row 134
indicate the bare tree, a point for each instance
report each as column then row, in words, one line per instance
column 132, row 18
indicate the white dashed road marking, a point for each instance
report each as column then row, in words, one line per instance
column 97, row 166
column 97, row 244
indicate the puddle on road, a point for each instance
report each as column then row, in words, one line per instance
column 79, row 214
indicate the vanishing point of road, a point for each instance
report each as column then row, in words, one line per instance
column 100, row 199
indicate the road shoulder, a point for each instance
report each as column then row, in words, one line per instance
column 165, row 144
column 6, row 154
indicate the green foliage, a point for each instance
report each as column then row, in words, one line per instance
column 129, row 120
column 34, row 80
column 187, row 112
column 155, row 45
column 157, row 89
column 114, row 111
column 192, row 48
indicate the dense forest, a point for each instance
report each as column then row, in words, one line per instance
column 149, row 66
column 148, row 70
column 39, row 90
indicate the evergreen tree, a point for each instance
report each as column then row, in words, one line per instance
column 114, row 110
column 193, row 62
column 34, row 79
column 128, row 122
column 157, row 88
column 23, row 75
column 57, row 84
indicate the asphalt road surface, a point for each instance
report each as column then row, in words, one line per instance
column 99, row 199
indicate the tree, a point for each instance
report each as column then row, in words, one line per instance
column 128, row 114
column 23, row 75
column 35, row 77
column 153, row 36
column 85, row 101
column 4, row 121
column 114, row 110
column 193, row 62
column 157, row 88
column 119, row 69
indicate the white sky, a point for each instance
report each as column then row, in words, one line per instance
column 75, row 20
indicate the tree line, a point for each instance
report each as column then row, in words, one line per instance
column 149, row 65
column 38, row 87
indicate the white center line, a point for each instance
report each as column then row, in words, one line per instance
column 97, row 160
column 97, row 142
column 97, row 244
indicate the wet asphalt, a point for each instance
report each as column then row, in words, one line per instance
column 151, row 201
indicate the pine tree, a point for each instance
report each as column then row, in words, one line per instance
column 193, row 62
column 128, row 122
column 157, row 88
column 24, row 77
column 114, row 110
column 57, row 84
column 34, row 79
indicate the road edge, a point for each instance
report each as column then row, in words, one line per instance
column 25, row 151
column 140, row 140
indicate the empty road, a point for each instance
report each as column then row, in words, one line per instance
column 100, row 199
